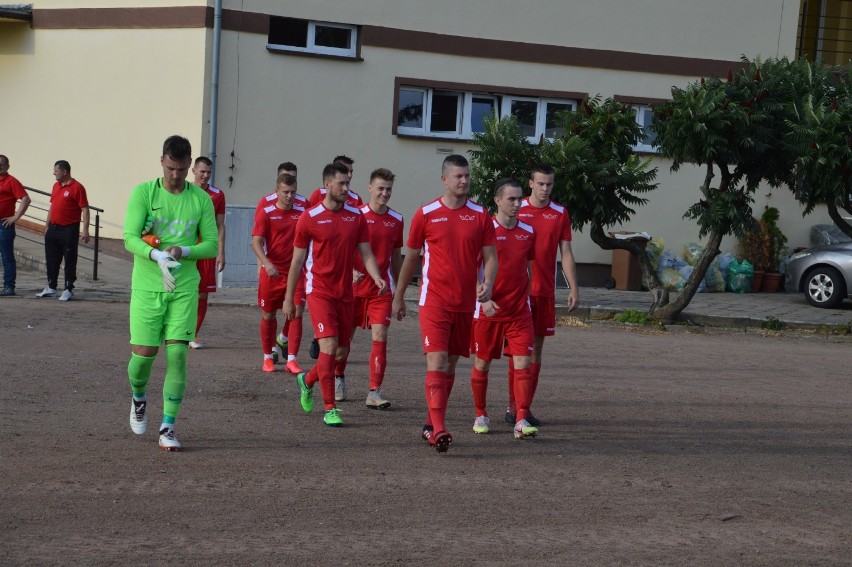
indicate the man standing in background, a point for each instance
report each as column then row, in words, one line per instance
column 11, row 191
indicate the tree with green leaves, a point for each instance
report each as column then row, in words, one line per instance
column 599, row 178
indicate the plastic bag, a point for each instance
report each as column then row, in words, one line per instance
column 654, row 249
column 671, row 279
column 714, row 279
column 740, row 275
column 692, row 252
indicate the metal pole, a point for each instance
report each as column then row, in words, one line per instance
column 97, row 240
column 214, row 85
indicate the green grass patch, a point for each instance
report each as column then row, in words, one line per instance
column 633, row 316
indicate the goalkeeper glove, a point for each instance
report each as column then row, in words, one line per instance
column 168, row 266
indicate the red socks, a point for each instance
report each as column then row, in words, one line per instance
column 437, row 393
column 512, row 384
column 294, row 336
column 268, row 328
column 523, row 392
column 535, row 370
column 202, row 312
column 378, row 363
column 324, row 372
column 340, row 365
column 479, row 386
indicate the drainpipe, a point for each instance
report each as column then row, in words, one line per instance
column 214, row 84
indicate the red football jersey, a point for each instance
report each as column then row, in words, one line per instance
column 272, row 198
column 552, row 224
column 385, row 237
column 353, row 199
column 218, row 197
column 452, row 241
column 278, row 228
column 10, row 191
column 515, row 250
column 331, row 239
column 67, row 203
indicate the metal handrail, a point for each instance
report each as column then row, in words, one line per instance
column 96, row 224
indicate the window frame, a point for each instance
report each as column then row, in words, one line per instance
column 642, row 146
column 312, row 48
column 501, row 97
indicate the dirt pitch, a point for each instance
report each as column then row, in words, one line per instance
column 657, row 449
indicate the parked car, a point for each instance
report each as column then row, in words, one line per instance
column 823, row 274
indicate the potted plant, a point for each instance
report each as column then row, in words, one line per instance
column 755, row 247
column 776, row 250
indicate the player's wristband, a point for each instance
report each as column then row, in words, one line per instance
column 184, row 251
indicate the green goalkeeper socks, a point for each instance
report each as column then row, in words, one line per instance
column 139, row 371
column 174, row 385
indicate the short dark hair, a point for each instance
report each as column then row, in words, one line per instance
column 287, row 166
column 504, row 182
column 286, row 179
column 178, row 148
column 205, row 160
column 344, row 159
column 454, row 160
column 4, row 158
column 541, row 168
column 333, row 169
column 382, row 173
column 63, row 165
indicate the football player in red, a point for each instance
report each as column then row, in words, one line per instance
column 453, row 232
column 506, row 317
column 327, row 236
column 373, row 311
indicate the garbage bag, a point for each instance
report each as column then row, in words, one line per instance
column 740, row 275
column 692, row 252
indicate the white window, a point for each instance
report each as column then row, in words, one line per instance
column 644, row 116
column 455, row 114
column 293, row 34
column 537, row 117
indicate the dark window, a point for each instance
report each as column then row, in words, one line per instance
column 526, row 112
column 445, row 112
column 551, row 128
column 328, row 36
column 410, row 111
column 288, row 31
column 480, row 109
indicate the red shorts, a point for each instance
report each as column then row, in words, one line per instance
column 331, row 318
column 271, row 291
column 488, row 338
column 543, row 315
column 207, row 271
column 445, row 331
column 373, row 310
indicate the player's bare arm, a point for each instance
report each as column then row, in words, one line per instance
column 569, row 268
column 396, row 263
column 489, row 258
column 220, row 258
column 85, row 218
column 299, row 255
column 412, row 257
column 372, row 266
column 257, row 245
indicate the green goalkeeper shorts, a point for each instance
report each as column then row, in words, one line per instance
column 157, row 316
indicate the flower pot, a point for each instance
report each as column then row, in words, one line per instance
column 757, row 281
column 772, row 282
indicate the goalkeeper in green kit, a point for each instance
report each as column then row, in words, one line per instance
column 164, row 287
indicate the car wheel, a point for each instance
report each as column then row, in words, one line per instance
column 824, row 287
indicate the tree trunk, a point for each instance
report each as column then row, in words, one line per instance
column 669, row 313
column 838, row 219
column 659, row 294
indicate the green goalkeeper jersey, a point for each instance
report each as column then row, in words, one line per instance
column 183, row 219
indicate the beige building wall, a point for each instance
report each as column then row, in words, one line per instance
column 103, row 99
column 308, row 109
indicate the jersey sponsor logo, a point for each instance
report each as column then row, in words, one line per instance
column 67, row 193
column 389, row 224
column 369, row 221
column 522, row 236
column 501, row 238
column 348, row 219
column 442, row 219
column 294, row 217
column 326, row 221
column 550, row 217
column 525, row 215
column 467, row 217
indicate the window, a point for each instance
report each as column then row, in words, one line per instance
column 459, row 114
column 538, row 117
column 824, row 31
column 644, row 116
column 293, row 34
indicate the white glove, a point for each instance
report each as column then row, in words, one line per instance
column 168, row 265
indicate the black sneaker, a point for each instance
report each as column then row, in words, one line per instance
column 509, row 416
column 313, row 352
column 7, row 292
